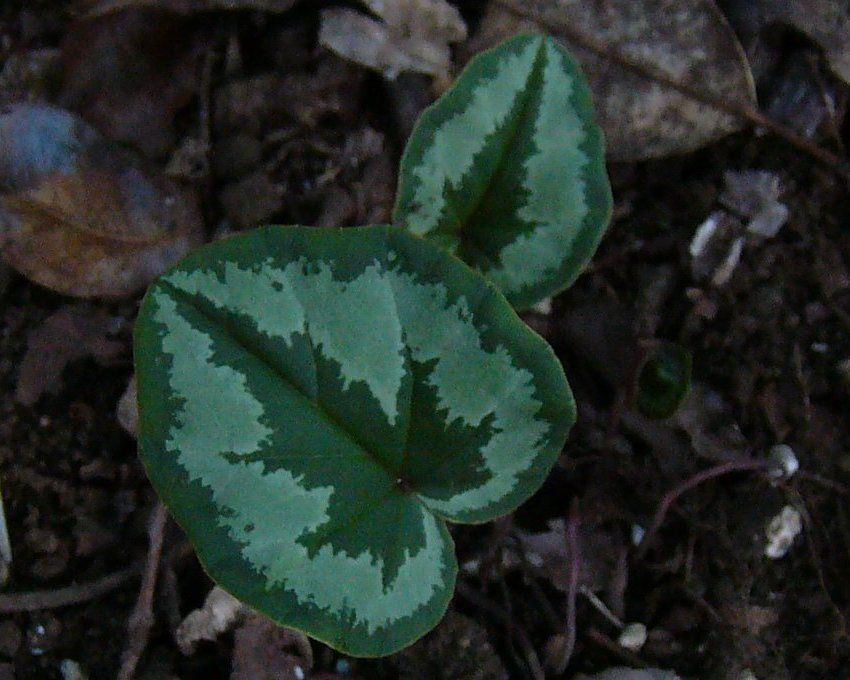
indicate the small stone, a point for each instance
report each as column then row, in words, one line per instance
column 781, row 532
column 632, row 637
column 544, row 306
column 71, row 670
column 638, row 532
column 785, row 457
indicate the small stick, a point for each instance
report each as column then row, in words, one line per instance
column 602, row 608
column 141, row 620
column 671, row 496
column 574, row 551
column 5, row 545
column 13, row 603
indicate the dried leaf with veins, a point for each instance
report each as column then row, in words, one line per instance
column 414, row 35
column 307, row 416
column 81, row 215
column 689, row 42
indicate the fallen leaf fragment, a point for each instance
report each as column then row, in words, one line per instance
column 413, row 36
column 73, row 332
column 755, row 194
column 548, row 551
column 128, row 73
column 220, row 613
column 826, row 22
column 717, row 244
column 262, row 650
column 82, row 215
column 690, row 43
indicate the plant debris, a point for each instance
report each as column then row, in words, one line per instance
column 414, row 35
column 690, row 43
column 71, row 333
column 82, row 215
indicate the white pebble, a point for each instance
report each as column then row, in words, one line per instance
column 544, row 306
column 633, row 637
column 781, row 532
column 71, row 670
column 638, row 532
column 703, row 235
column 785, row 457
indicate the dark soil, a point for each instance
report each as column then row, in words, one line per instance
column 299, row 135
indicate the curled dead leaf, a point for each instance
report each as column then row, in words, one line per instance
column 413, row 36
column 82, row 215
column 221, row 612
column 690, row 43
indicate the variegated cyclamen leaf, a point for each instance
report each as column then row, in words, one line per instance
column 315, row 404
column 507, row 170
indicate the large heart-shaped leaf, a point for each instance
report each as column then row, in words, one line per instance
column 507, row 170
column 315, row 404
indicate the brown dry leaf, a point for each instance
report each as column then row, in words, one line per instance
column 690, row 42
column 82, row 215
column 71, row 333
column 262, row 650
column 129, row 73
column 548, row 551
column 94, row 8
column 826, row 22
column 413, row 36
column 709, row 422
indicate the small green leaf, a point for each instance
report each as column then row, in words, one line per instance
column 507, row 170
column 664, row 380
column 315, row 404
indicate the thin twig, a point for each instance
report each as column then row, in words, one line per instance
column 671, row 496
column 12, row 603
column 141, row 620
column 571, row 536
column 738, row 109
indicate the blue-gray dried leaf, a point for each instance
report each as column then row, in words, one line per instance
column 82, row 215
